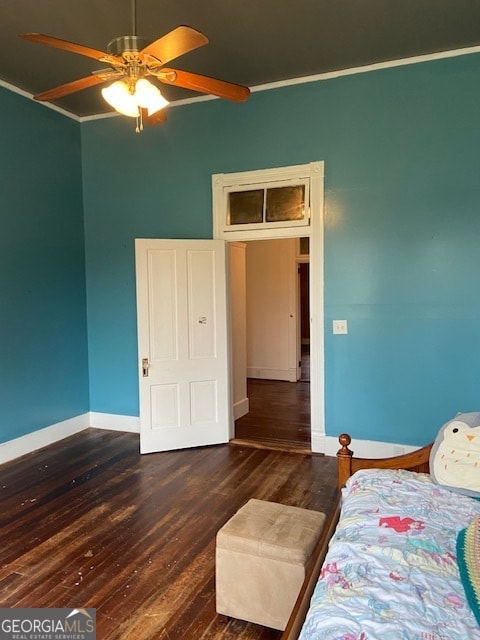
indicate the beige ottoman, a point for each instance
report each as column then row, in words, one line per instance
column 261, row 554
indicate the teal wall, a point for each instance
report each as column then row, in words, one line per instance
column 402, row 232
column 43, row 337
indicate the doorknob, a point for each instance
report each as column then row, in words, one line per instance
column 145, row 367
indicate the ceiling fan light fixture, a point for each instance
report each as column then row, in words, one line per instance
column 119, row 97
column 132, row 58
column 148, row 96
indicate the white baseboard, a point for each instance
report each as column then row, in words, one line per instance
column 114, row 422
column 288, row 375
column 241, row 408
column 42, row 437
column 318, row 443
column 368, row 448
column 55, row 432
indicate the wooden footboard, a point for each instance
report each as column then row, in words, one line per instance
column 417, row 460
column 347, row 465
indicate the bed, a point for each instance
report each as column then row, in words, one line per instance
column 386, row 567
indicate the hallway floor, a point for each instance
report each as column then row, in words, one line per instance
column 279, row 412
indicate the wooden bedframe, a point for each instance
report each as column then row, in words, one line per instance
column 417, row 460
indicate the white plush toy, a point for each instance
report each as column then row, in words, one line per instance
column 455, row 455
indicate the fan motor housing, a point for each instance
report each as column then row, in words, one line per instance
column 122, row 44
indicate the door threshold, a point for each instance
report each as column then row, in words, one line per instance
column 276, row 445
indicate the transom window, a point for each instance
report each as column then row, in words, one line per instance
column 268, row 205
column 268, row 201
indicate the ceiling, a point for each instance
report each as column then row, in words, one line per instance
column 251, row 42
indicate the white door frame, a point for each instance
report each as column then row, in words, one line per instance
column 314, row 171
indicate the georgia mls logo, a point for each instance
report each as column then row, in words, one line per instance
column 47, row 624
column 83, row 619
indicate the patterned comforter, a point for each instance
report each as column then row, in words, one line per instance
column 391, row 571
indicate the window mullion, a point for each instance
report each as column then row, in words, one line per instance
column 264, row 205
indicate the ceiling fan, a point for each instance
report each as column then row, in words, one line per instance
column 131, row 61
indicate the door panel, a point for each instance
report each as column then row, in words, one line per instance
column 162, row 317
column 182, row 331
column 201, row 290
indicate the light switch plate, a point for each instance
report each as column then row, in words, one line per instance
column 340, row 326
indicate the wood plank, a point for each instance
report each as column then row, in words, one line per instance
column 88, row 522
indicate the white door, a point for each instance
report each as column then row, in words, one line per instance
column 182, row 344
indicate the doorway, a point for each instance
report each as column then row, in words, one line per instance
column 270, row 325
column 310, row 225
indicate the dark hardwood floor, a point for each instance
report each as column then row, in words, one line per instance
column 88, row 522
column 279, row 411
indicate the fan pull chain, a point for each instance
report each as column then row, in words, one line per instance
column 139, row 127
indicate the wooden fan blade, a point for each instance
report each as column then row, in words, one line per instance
column 159, row 117
column 204, row 84
column 57, row 43
column 174, row 44
column 69, row 87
